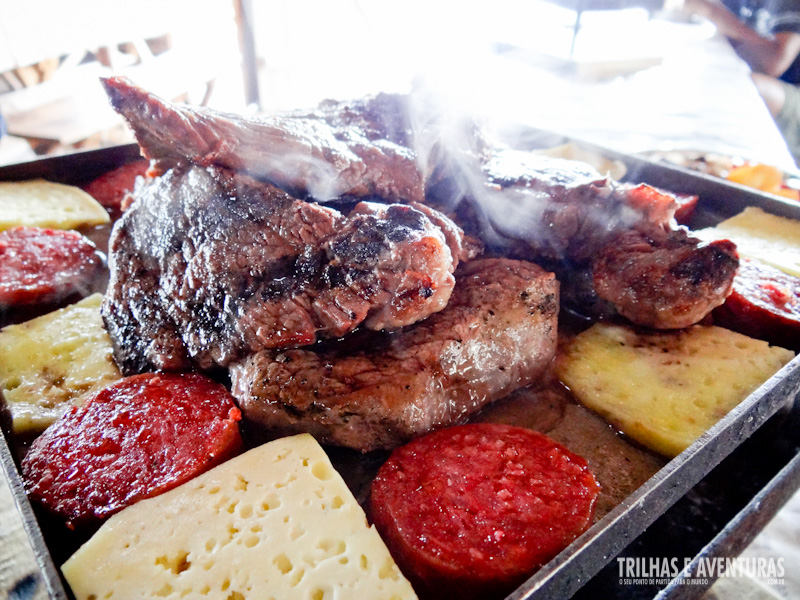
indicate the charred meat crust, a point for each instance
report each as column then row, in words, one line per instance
column 667, row 282
column 498, row 333
column 209, row 265
column 615, row 247
column 397, row 149
column 560, row 209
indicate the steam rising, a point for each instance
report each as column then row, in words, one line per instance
column 420, row 147
column 455, row 150
column 320, row 178
column 450, row 150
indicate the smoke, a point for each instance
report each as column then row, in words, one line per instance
column 319, row 179
column 437, row 151
column 471, row 165
column 523, row 208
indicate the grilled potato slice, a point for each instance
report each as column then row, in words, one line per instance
column 40, row 203
column 664, row 389
column 50, row 362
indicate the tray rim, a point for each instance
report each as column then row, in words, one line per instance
column 709, row 449
column 756, row 514
column 39, row 552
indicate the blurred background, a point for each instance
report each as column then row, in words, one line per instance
column 52, row 55
column 631, row 75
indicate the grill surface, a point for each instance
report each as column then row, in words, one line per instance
column 727, row 484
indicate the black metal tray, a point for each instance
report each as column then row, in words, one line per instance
column 27, row 569
column 694, row 506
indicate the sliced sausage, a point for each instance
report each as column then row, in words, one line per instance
column 111, row 188
column 472, row 511
column 137, row 438
column 41, row 266
column 764, row 304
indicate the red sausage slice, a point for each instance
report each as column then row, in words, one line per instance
column 110, row 188
column 764, row 304
column 39, row 266
column 472, row 511
column 137, row 438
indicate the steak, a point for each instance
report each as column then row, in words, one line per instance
column 615, row 248
column 359, row 149
column 497, row 333
column 209, row 265
column 559, row 213
column 670, row 280
column 228, row 261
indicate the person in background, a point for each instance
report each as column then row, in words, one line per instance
column 766, row 34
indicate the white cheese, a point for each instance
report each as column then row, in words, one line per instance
column 277, row 522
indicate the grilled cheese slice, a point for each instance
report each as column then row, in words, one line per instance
column 54, row 361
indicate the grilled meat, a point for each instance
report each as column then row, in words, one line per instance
column 558, row 212
column 498, row 333
column 357, row 149
column 666, row 282
column 209, row 265
column 563, row 209
column 227, row 261
column 615, row 247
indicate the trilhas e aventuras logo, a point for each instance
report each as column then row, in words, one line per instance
column 661, row 570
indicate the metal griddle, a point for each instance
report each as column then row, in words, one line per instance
column 709, row 501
